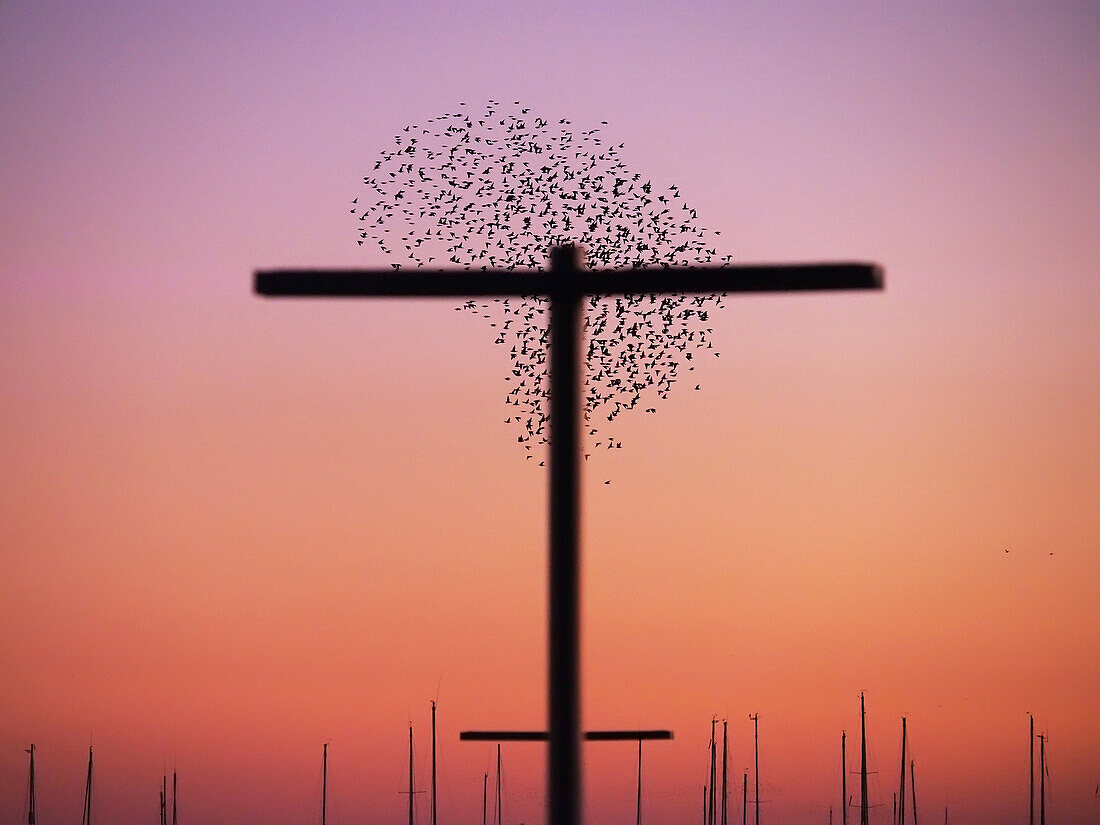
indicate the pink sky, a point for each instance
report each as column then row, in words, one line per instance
column 233, row 529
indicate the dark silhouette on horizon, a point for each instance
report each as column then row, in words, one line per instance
column 566, row 284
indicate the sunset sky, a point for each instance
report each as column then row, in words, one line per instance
column 233, row 529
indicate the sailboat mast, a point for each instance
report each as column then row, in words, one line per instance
column 432, row 762
column 862, row 761
column 713, row 759
column 901, row 788
column 1042, row 779
column 86, row 818
column 175, row 785
column 164, row 800
column 745, row 798
column 638, row 818
column 411, row 775
column 32, row 812
column 324, row 783
column 500, row 813
column 725, row 769
column 484, row 799
column 843, row 780
column 913, row 791
column 1031, row 772
column 756, row 760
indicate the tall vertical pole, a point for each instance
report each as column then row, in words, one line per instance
column 1031, row 772
column 31, row 812
column 410, row 775
column 863, row 803
column 86, row 819
column 725, row 768
column 164, row 800
column 565, row 407
column 901, row 788
column 843, row 780
column 484, row 799
column 713, row 762
column 705, row 805
column 175, row 785
column 433, row 762
column 913, row 791
column 500, row 811
column 745, row 798
column 756, row 760
column 638, row 818
column 324, row 778
column 1042, row 780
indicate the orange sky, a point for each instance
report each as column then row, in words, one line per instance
column 232, row 529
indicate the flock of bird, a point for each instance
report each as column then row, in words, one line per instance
column 497, row 190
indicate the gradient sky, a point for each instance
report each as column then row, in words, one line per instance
column 232, row 529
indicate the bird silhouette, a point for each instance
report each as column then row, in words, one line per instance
column 498, row 189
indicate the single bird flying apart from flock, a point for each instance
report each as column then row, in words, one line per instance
column 497, row 189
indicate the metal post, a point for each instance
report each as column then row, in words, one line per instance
column 564, row 678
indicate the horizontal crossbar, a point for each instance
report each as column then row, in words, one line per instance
column 457, row 283
column 543, row 736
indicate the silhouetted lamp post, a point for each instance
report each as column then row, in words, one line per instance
column 566, row 283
